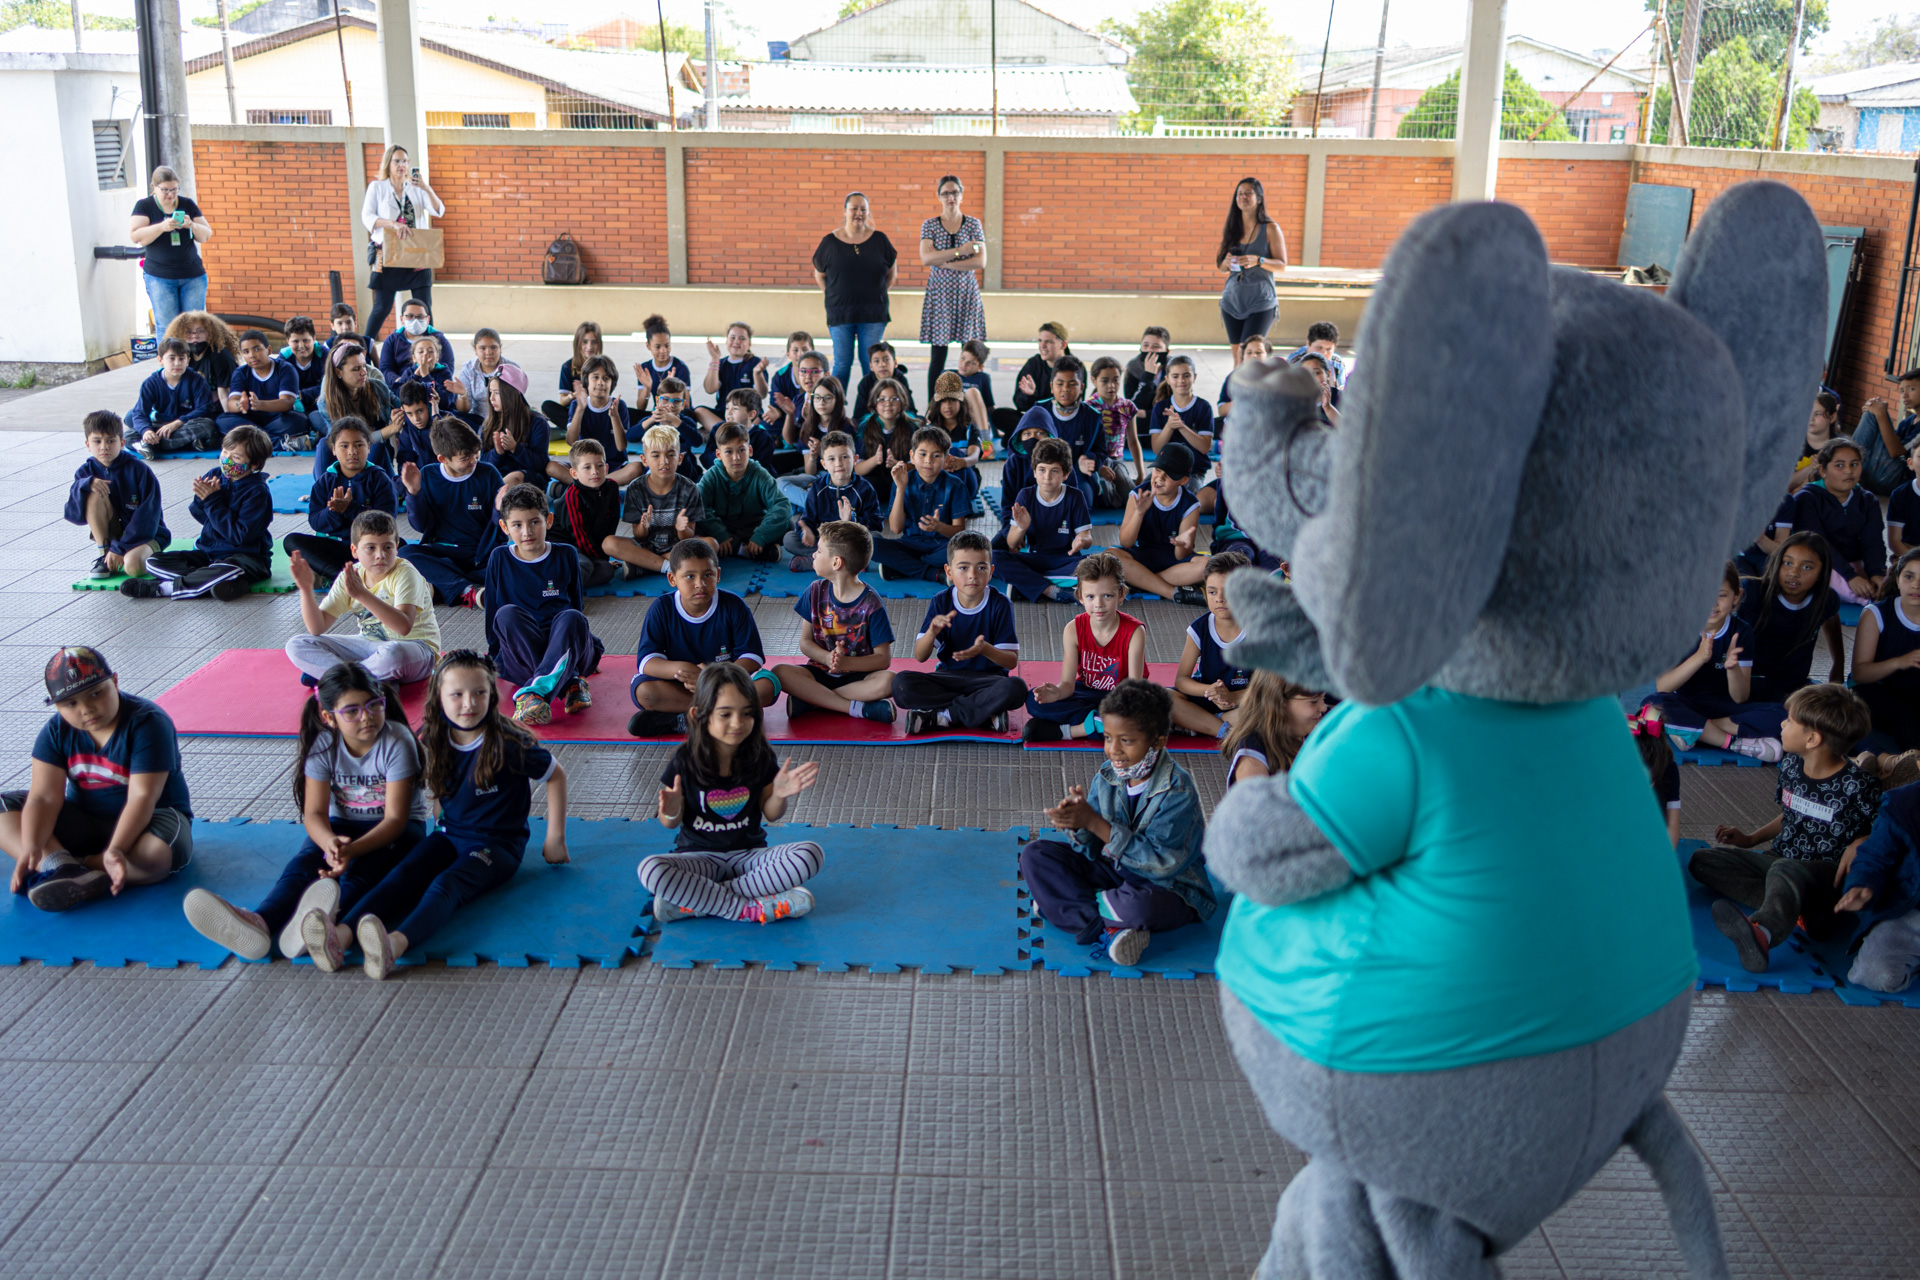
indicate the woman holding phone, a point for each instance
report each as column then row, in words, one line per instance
column 170, row 227
column 396, row 206
column 1251, row 246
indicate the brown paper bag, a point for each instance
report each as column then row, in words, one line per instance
column 424, row 248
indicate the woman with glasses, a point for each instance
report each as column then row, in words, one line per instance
column 953, row 248
column 171, row 228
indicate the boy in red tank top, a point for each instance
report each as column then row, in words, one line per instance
column 1099, row 648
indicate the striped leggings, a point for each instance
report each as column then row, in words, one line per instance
column 720, row 884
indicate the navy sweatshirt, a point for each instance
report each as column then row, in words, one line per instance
column 134, row 491
column 1855, row 530
column 372, row 488
column 236, row 517
column 823, row 502
column 160, row 404
column 457, row 512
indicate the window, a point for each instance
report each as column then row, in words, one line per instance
column 110, row 153
column 288, row 115
column 484, row 120
column 807, row 122
column 963, row 124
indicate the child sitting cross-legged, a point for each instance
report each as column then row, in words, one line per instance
column 451, row 503
column 972, row 631
column 482, row 768
column 586, row 513
column 1048, row 526
column 601, row 416
column 1134, row 866
column 1207, row 688
column 695, row 625
column 117, row 497
column 664, row 507
column 412, row 439
column 515, row 441
column 929, row 506
column 849, row 642
column 537, row 631
column 746, row 515
column 348, row 487
column 357, row 783
column 1099, row 648
column 743, row 407
column 235, row 546
column 1270, row 725
column 106, row 805
column 264, row 393
column 1883, row 887
column 176, row 409
column 389, row 600
column 835, row 494
column 717, row 789
column 1159, row 529
column 1827, row 806
column 1700, row 698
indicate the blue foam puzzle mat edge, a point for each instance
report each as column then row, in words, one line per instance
column 1794, row 967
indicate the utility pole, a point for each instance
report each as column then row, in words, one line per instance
column 666, row 76
column 226, row 60
column 993, row 59
column 711, row 79
column 1379, row 65
column 163, row 89
column 77, row 23
column 1785, row 112
column 1680, row 110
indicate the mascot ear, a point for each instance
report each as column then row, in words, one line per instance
column 1754, row 271
column 1425, row 469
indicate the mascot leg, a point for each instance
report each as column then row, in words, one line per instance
column 1324, row 1230
column 1460, row 1166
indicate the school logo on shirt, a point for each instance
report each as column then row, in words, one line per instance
column 1807, row 808
column 96, row 773
column 550, row 590
column 473, row 503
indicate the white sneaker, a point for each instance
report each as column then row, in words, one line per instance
column 322, row 944
column 322, row 895
column 375, row 947
column 1766, row 750
column 1128, row 946
column 790, row 905
column 217, row 920
column 665, row 912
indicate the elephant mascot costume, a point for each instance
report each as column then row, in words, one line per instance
column 1459, row 968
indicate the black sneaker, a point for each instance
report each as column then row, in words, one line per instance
column 890, row 574
column 1038, row 730
column 629, row 571
column 919, row 722
column 654, row 724
column 141, row 589
column 1189, row 595
column 231, row 589
column 999, row 722
column 100, row 569
column 66, row 886
column 1730, row 920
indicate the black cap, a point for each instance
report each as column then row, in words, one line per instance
column 74, row 670
column 1176, row 460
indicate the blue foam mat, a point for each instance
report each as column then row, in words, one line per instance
column 1835, row 958
column 214, row 453
column 741, row 577
column 591, row 909
column 1184, row 953
column 886, row 898
column 990, row 501
column 780, row 582
column 1715, row 756
column 1793, row 967
column 1850, row 615
column 290, row 493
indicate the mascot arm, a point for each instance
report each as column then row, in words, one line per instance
column 1263, row 845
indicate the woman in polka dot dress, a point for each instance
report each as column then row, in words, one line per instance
column 953, row 247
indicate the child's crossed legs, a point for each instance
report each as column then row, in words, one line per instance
column 721, row 884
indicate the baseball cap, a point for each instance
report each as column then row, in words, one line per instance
column 513, row 375
column 1176, row 460
column 73, row 670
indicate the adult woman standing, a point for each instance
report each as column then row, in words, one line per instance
column 1249, row 243
column 854, row 266
column 170, row 227
column 951, row 311
column 394, row 206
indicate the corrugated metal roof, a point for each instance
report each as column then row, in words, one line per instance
column 194, row 41
column 917, row 88
column 1847, row 86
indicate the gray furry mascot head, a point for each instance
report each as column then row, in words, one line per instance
column 1459, row 968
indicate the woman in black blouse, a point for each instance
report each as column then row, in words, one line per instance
column 855, row 265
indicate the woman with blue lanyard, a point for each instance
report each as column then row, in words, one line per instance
column 171, row 228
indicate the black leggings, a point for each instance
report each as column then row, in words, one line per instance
column 1254, row 326
column 385, row 284
column 936, row 363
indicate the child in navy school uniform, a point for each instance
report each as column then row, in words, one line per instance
column 735, row 371
column 927, row 498
column 263, row 393
column 235, row 546
column 1886, row 655
column 428, row 370
column 1016, row 472
column 1048, row 527
column 660, row 364
column 1228, row 536
column 176, row 409
column 588, row 344
column 971, row 630
column 1847, row 516
column 836, row 494
column 1883, row 887
column 482, row 768
column 1178, row 415
column 308, row 360
column 973, row 371
column 1788, row 608
column 848, row 642
column 586, row 513
column 695, row 625
column 117, row 497
column 784, row 382
column 1254, row 348
column 516, row 444
column 743, row 407
column 882, row 366
column 1206, row 687
column 451, row 503
column 1158, row 532
column 414, row 441
column 1903, row 508
column 1081, row 427
column 949, row 410
column 348, row 487
column 537, row 630
column 670, row 400
column 602, row 416
column 1702, row 697
column 1098, row 649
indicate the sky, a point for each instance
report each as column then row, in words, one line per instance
column 1585, row 26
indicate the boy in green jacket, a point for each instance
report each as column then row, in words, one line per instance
column 746, row 512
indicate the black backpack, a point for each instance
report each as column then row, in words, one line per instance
column 564, row 264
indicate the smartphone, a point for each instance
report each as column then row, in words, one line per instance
column 416, row 175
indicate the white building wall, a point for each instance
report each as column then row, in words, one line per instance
column 941, row 31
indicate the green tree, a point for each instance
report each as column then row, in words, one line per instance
column 1766, row 25
column 234, row 14
column 1895, row 39
column 1734, row 97
column 1524, row 113
column 1207, row 62
column 850, row 7
column 684, row 37
column 55, row 17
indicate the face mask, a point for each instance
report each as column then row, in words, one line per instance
column 1138, row 772
column 415, row 325
column 197, row 348
column 233, row 468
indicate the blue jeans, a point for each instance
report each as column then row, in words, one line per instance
column 843, row 336
column 171, row 297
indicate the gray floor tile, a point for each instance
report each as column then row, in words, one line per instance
column 1736, row 1042
column 1829, row 1237
column 104, row 1016
column 203, row 1113
column 22, row 1184
column 294, row 1228
column 1899, row 1116
column 645, row 973
column 1001, row 1030
column 1192, row 1231
column 1601, row 1234
column 288, row 1014
column 1043, row 1128
column 820, row 1030
column 1191, row 1131
column 60, row 1123
column 1775, row 1143
column 468, row 1023
column 1140, row 1034
column 411, row 1117
column 1531, row 1259
column 600, row 1119
column 803, row 1122
column 1872, row 1050
column 829, row 1227
column 168, row 1221
column 1019, row 785
column 583, row 1225
column 23, row 986
column 960, row 1228
column 643, row 1026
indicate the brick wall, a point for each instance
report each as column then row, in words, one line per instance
column 1371, row 199
column 1580, row 206
column 1105, row 221
column 281, row 222
column 755, row 216
column 506, row 204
